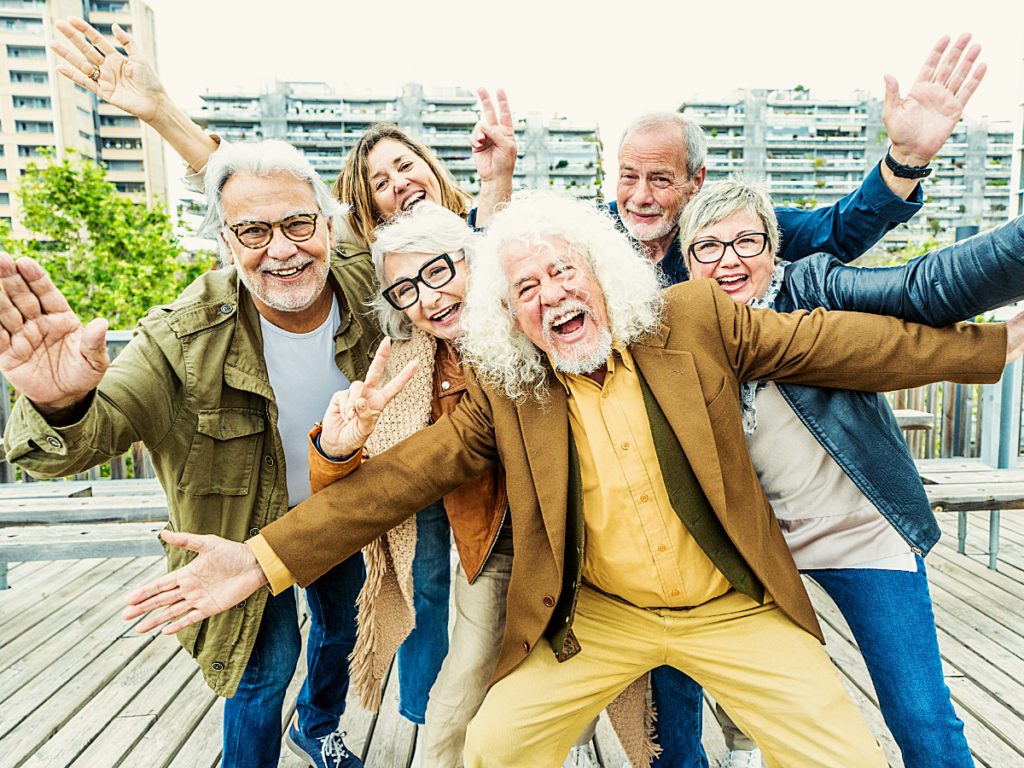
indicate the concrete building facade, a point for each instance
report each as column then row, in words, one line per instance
column 39, row 108
column 325, row 125
column 813, row 152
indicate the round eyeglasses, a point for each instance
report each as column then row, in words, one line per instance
column 745, row 246
column 257, row 234
column 435, row 273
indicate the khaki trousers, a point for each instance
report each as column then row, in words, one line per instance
column 472, row 655
column 773, row 678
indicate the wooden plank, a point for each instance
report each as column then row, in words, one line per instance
column 393, row 737
column 126, row 508
column 205, row 743
column 67, row 542
column 90, row 698
column 66, row 606
column 967, row 497
column 60, row 671
column 159, row 745
column 979, row 477
column 31, row 586
column 958, row 464
column 113, row 743
column 609, row 751
column 66, row 488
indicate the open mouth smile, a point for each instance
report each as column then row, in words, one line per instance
column 287, row 274
column 733, row 283
column 569, row 323
column 413, row 199
column 447, row 314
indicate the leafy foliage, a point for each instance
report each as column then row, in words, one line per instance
column 109, row 257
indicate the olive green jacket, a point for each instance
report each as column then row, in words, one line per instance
column 192, row 385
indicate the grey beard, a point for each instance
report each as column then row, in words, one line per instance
column 589, row 362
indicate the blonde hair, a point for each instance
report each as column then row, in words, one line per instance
column 353, row 185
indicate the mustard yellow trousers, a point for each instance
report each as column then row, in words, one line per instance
column 773, row 678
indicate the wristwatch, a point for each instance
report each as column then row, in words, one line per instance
column 901, row 171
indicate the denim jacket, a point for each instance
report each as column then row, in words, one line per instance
column 192, row 385
column 858, row 429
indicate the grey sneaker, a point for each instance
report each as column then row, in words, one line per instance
column 742, row 758
column 582, row 757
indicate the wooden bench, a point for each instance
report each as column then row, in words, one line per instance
column 968, row 485
column 76, row 519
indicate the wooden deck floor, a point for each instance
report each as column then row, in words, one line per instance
column 80, row 688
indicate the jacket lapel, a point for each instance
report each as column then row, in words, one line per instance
column 545, row 428
column 672, row 377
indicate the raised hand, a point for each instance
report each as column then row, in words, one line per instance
column 494, row 140
column 919, row 124
column 224, row 574
column 353, row 413
column 45, row 352
column 129, row 83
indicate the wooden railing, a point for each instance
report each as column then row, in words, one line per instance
column 135, row 464
column 957, row 417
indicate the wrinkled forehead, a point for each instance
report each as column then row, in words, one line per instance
column 535, row 255
column 249, row 197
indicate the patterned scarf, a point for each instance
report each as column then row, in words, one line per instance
column 749, row 389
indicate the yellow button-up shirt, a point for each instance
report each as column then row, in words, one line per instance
column 636, row 546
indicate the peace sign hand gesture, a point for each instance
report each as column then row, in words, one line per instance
column 353, row 413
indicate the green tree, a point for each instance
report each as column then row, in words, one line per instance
column 109, row 257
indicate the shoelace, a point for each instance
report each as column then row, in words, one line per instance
column 332, row 746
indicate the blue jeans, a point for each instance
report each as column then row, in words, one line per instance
column 421, row 655
column 252, row 717
column 890, row 615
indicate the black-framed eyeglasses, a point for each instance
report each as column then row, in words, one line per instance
column 745, row 246
column 435, row 273
column 257, row 234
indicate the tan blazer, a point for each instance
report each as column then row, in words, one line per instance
column 693, row 365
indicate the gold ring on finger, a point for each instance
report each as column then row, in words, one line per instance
column 95, row 74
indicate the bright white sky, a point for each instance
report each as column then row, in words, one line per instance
column 586, row 60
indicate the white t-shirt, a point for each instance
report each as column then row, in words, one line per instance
column 304, row 377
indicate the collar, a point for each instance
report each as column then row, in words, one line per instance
column 618, row 355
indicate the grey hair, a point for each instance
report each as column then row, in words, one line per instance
column 501, row 355
column 691, row 134
column 261, row 158
column 428, row 228
column 719, row 200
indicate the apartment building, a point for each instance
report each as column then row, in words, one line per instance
column 813, row 152
column 325, row 125
column 39, row 108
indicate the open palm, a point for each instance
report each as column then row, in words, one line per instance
column 45, row 351
column 127, row 82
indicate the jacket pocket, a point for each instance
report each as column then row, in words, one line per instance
column 221, row 457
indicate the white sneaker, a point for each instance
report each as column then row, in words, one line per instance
column 582, row 757
column 742, row 758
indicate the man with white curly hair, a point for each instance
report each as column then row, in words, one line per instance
column 642, row 536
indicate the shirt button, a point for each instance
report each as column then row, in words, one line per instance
column 674, row 592
column 661, row 547
column 254, row 531
column 270, row 461
column 625, row 446
column 445, row 386
column 644, row 497
column 549, row 601
column 225, row 309
column 526, row 646
column 217, row 666
column 55, row 442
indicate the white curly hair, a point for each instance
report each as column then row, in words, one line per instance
column 500, row 354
